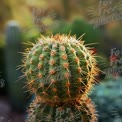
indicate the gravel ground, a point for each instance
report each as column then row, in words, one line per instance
column 6, row 114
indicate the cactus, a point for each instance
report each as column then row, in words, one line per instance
column 60, row 68
column 74, row 111
column 108, row 93
column 12, row 60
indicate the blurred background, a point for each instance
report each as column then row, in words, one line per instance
column 23, row 21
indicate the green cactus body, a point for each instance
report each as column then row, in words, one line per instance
column 80, row 111
column 60, row 68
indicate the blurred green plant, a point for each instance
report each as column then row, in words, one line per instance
column 30, row 35
column 62, row 28
column 108, row 97
column 13, row 59
column 78, row 27
column 2, row 42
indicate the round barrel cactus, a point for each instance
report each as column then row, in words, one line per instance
column 74, row 111
column 60, row 68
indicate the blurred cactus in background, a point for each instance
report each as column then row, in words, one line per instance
column 13, row 59
column 60, row 70
column 108, row 98
column 79, row 27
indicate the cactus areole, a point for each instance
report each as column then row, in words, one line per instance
column 60, row 68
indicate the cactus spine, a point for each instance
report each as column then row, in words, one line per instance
column 60, row 69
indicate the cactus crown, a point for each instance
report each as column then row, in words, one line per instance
column 60, row 68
